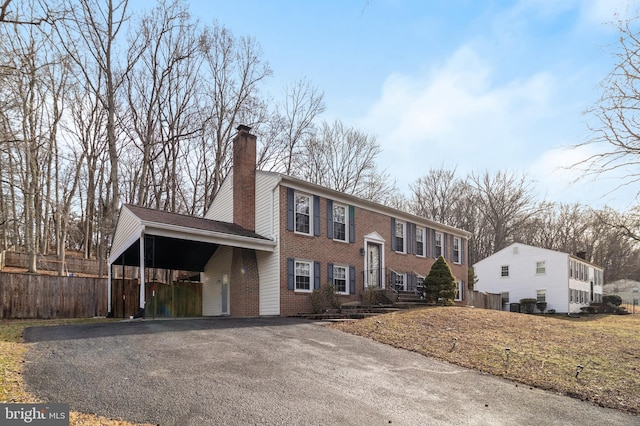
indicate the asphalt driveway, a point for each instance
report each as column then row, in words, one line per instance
column 274, row 371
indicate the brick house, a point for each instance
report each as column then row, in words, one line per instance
column 268, row 240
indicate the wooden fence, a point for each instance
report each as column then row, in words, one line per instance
column 50, row 263
column 180, row 299
column 50, row 296
column 46, row 296
column 485, row 300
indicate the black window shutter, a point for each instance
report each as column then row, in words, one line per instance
column 461, row 250
column 316, row 274
column 330, row 273
column 352, row 224
column 427, row 239
column 392, row 277
column 445, row 245
column 316, row 215
column 433, row 242
column 290, row 210
column 411, row 237
column 329, row 219
column 352, row 280
column 393, row 234
column 291, row 274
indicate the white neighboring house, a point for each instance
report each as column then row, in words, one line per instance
column 520, row 271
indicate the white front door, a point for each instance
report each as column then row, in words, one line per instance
column 374, row 266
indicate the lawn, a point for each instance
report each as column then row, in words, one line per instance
column 12, row 358
column 543, row 350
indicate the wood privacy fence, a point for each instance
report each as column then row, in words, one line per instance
column 180, row 299
column 49, row 296
column 46, row 296
column 485, row 300
column 50, row 263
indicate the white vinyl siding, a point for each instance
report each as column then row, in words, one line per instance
column 222, row 206
column 269, row 268
column 129, row 230
column 267, row 212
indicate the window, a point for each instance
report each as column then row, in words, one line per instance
column 340, row 279
column 460, row 291
column 541, row 295
column 303, row 213
column 303, row 276
column 541, row 268
column 419, row 241
column 505, row 297
column 504, row 271
column 438, row 245
column 456, row 250
column 400, row 227
column 339, row 222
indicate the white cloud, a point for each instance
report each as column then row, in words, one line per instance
column 457, row 116
column 557, row 180
column 605, row 11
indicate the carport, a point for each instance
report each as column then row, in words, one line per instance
column 148, row 238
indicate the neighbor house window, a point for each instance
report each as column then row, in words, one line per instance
column 541, row 268
column 303, row 213
column 504, row 271
column 438, row 245
column 541, row 296
column 419, row 241
column 456, row 250
column 339, row 222
column 303, row 276
column 400, row 230
column 340, row 278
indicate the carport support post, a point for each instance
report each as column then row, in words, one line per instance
column 109, row 301
column 140, row 313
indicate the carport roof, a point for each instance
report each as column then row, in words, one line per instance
column 179, row 241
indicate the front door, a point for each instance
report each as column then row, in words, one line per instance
column 374, row 266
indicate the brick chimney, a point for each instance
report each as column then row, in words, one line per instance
column 244, row 178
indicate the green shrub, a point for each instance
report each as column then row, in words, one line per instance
column 528, row 305
column 614, row 299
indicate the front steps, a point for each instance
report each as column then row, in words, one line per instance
column 357, row 310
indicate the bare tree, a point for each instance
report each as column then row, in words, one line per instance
column 90, row 33
column 163, row 104
column 344, row 158
column 505, row 202
column 290, row 126
column 234, row 72
column 616, row 131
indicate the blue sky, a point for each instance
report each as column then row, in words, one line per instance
column 476, row 85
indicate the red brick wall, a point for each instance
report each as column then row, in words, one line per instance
column 326, row 250
column 245, row 290
column 244, row 179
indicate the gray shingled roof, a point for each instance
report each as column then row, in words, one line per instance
column 163, row 217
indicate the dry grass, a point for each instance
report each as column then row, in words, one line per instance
column 544, row 350
column 12, row 358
